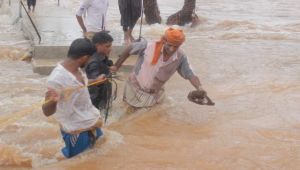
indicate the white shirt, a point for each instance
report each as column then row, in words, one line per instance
column 74, row 111
column 148, row 71
column 95, row 20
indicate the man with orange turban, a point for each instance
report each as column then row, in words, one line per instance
column 157, row 62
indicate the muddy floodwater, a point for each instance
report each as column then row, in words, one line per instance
column 247, row 56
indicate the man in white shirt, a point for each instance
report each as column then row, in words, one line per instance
column 69, row 101
column 95, row 19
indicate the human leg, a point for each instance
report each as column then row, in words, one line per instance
column 134, row 15
column 126, row 34
column 77, row 143
column 29, row 5
column 33, row 5
column 130, row 34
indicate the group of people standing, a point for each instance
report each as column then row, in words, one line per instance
column 95, row 16
column 88, row 62
column 91, row 16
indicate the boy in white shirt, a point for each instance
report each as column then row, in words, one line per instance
column 95, row 19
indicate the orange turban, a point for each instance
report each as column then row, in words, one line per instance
column 173, row 36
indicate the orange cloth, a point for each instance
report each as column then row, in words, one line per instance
column 156, row 54
column 173, row 36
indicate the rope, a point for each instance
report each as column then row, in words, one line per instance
column 111, row 96
column 4, row 121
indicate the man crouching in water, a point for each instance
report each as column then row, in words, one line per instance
column 79, row 120
column 156, row 63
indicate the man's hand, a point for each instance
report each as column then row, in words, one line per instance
column 113, row 69
column 84, row 33
column 200, row 88
column 101, row 78
column 52, row 95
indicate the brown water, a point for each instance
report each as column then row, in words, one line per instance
column 247, row 57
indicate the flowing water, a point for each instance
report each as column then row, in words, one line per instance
column 247, row 56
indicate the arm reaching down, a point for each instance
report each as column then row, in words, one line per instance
column 194, row 80
column 81, row 24
column 122, row 58
column 135, row 48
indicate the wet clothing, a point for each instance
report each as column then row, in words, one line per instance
column 100, row 94
column 147, row 79
column 95, row 11
column 77, row 143
column 135, row 96
column 74, row 111
column 130, row 12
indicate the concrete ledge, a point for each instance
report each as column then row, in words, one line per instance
column 58, row 28
column 44, row 66
column 52, row 52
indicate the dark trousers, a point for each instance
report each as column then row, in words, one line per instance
column 31, row 3
column 130, row 12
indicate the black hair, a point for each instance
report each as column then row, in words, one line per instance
column 81, row 47
column 102, row 38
